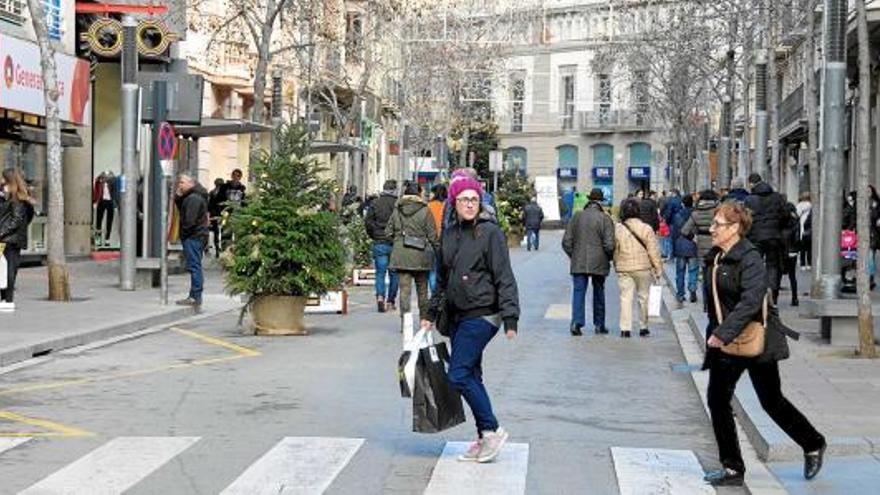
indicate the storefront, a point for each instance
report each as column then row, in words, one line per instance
column 639, row 178
column 603, row 179
column 22, row 126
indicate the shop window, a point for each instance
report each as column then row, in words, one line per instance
column 640, row 155
column 567, row 156
column 603, row 155
column 516, row 158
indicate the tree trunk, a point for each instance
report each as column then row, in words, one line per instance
column 745, row 167
column 59, row 279
column 866, row 318
column 772, row 101
column 260, row 71
column 811, row 107
column 463, row 157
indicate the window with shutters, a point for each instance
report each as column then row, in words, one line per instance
column 518, row 95
column 567, row 92
column 12, row 11
column 603, row 88
column 354, row 37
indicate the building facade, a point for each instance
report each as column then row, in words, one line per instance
column 565, row 110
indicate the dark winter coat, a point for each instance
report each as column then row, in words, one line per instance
column 738, row 194
column 769, row 213
column 378, row 216
column 475, row 277
column 699, row 223
column 193, row 209
column 791, row 230
column 589, row 241
column 533, row 215
column 412, row 218
column 742, row 286
column 14, row 219
column 682, row 246
column 671, row 208
column 648, row 213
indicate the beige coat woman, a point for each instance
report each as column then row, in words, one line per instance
column 638, row 264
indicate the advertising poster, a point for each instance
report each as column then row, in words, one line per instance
column 547, row 191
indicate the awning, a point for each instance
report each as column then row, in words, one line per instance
column 69, row 137
column 319, row 147
column 221, row 127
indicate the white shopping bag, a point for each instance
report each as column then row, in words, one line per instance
column 654, row 298
column 406, row 365
column 3, row 268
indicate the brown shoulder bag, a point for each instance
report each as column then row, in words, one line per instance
column 750, row 342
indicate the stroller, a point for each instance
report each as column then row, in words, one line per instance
column 849, row 252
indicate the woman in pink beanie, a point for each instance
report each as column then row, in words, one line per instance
column 476, row 294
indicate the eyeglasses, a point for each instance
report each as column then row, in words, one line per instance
column 468, row 201
column 717, row 224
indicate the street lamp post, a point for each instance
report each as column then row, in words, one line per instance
column 724, row 144
column 761, row 115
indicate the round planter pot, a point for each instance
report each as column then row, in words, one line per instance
column 279, row 315
column 514, row 240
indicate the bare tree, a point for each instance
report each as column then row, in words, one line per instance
column 59, row 277
column 811, row 107
column 863, row 145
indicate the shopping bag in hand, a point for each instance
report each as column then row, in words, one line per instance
column 436, row 405
column 3, row 268
column 654, row 297
column 406, row 364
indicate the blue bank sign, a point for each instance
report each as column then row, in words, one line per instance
column 640, row 173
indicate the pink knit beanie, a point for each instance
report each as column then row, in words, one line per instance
column 463, row 183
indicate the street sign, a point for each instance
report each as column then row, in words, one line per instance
column 167, row 141
column 496, row 161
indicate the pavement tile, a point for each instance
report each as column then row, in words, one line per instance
column 839, row 476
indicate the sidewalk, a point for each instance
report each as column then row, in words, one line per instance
column 98, row 311
column 837, row 392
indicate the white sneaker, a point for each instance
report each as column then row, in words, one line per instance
column 7, row 307
column 473, row 452
column 492, row 443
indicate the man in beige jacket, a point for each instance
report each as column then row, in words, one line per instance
column 637, row 262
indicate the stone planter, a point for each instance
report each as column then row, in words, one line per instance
column 514, row 240
column 279, row 315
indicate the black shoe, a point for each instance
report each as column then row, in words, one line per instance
column 644, row 332
column 575, row 330
column 380, row 304
column 625, row 334
column 813, row 462
column 601, row 331
column 794, row 301
column 189, row 302
column 693, row 296
column 724, row 477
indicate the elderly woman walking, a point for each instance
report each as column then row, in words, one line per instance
column 478, row 292
column 637, row 261
column 738, row 290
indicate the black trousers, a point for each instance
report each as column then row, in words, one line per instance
column 105, row 206
column 13, row 257
column 723, row 376
column 806, row 251
column 773, row 253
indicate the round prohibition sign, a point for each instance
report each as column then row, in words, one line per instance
column 167, row 141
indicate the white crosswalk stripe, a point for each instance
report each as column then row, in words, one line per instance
column 505, row 476
column 297, row 465
column 11, row 443
column 112, row 468
column 658, row 472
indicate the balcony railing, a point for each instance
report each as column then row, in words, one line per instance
column 614, row 120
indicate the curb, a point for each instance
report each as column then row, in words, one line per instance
column 11, row 355
column 759, row 479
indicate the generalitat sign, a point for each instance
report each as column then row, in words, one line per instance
column 22, row 86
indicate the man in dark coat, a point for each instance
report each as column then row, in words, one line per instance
column 533, row 215
column 737, row 191
column 770, row 218
column 684, row 249
column 192, row 203
column 648, row 211
column 376, row 222
column 589, row 243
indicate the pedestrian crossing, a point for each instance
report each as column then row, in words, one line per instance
column 310, row 465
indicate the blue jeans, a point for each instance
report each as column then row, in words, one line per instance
column 666, row 246
column 469, row 338
column 193, row 249
column 533, row 238
column 579, row 296
column 381, row 257
column 692, row 267
column 433, row 276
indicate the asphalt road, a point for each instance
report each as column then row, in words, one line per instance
column 201, row 408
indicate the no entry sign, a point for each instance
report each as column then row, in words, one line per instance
column 167, row 141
